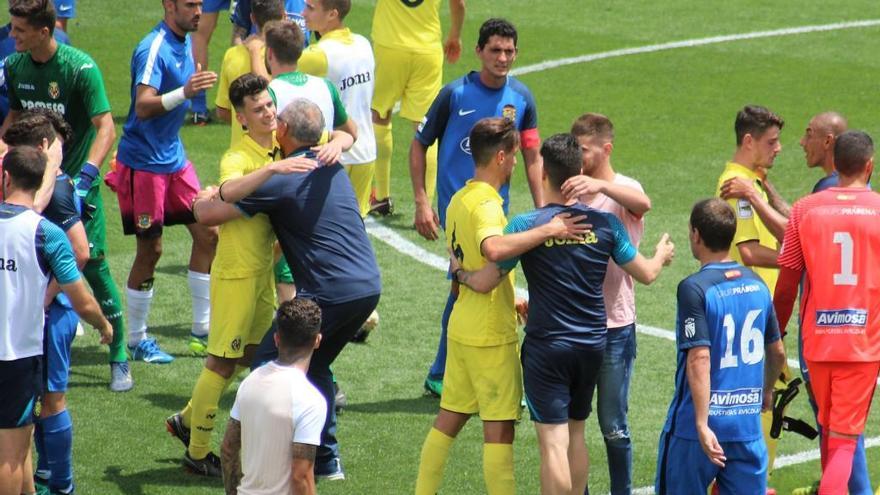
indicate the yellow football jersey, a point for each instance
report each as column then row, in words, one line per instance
column 236, row 63
column 475, row 213
column 749, row 226
column 412, row 25
column 245, row 245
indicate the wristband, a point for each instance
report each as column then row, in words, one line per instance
column 173, row 99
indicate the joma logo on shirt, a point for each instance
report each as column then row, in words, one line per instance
column 355, row 80
column 55, row 107
column 589, row 238
column 8, row 265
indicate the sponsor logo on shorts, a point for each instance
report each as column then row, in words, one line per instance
column 236, row 344
column 841, row 318
column 509, row 112
column 743, row 208
column 54, row 90
column 144, row 221
column 735, row 402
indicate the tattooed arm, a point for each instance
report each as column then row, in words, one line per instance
column 230, row 457
column 302, row 475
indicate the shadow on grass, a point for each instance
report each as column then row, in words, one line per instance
column 414, row 405
column 179, row 269
column 173, row 476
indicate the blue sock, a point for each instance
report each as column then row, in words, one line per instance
column 58, row 440
column 200, row 102
column 438, row 368
column 859, row 479
column 42, row 459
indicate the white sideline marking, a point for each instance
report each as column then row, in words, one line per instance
column 622, row 52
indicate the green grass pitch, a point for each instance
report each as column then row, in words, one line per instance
column 674, row 114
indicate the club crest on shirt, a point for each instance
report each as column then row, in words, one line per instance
column 144, row 221
column 54, row 90
column 509, row 112
column 236, row 344
column 690, row 328
column 743, row 208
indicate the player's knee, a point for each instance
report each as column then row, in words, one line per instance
column 206, row 237
column 378, row 119
column 615, row 434
column 52, row 404
column 148, row 253
column 222, row 366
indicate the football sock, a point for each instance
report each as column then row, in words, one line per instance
column 435, row 451
column 438, row 367
column 203, row 407
column 138, row 306
column 97, row 272
column 362, row 181
column 498, row 468
column 200, row 102
column 431, row 172
column 187, row 413
column 200, row 289
column 58, row 442
column 838, row 467
column 859, row 479
column 772, row 443
column 384, row 148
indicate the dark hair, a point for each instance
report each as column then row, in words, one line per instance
column 490, row 135
column 36, row 124
column 286, row 39
column 852, row 151
column 755, row 120
column 299, row 320
column 267, row 10
column 341, row 6
column 593, row 125
column 562, row 158
column 248, row 84
column 715, row 221
column 25, row 166
column 496, row 27
column 38, row 13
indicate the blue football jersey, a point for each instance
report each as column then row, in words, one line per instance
column 565, row 278
column 241, row 16
column 454, row 112
column 163, row 61
column 727, row 308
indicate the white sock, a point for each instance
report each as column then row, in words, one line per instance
column 138, row 305
column 200, row 289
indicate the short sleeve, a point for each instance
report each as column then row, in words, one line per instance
column 340, row 116
column 91, row 86
column 792, row 255
column 746, row 228
column 313, row 61
column 434, row 124
column 62, row 210
column 9, row 81
column 623, row 251
column 222, row 98
column 231, row 166
column 519, row 223
column 265, row 199
column 308, row 421
column 771, row 328
column 234, row 412
column 489, row 221
column 691, row 330
column 58, row 253
column 148, row 66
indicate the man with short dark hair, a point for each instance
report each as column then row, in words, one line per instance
column 154, row 181
column 34, row 251
column 566, row 331
column 47, row 74
column 274, row 428
column 729, row 355
column 316, row 219
column 831, row 242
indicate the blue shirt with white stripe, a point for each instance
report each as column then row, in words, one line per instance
column 727, row 308
column 162, row 60
column 566, row 301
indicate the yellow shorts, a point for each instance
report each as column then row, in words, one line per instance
column 484, row 380
column 241, row 312
column 361, row 177
column 414, row 79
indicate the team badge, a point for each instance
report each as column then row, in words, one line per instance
column 509, row 112
column 236, row 344
column 690, row 328
column 54, row 90
column 38, row 407
column 144, row 221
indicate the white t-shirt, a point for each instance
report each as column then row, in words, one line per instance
column 620, row 298
column 277, row 407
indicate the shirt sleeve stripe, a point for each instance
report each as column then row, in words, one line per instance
column 151, row 58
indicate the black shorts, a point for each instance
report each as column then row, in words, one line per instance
column 21, row 387
column 559, row 379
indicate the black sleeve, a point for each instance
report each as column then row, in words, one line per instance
column 62, row 208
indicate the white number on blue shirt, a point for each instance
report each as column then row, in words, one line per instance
column 751, row 341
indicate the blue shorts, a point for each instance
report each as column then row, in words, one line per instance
column 21, row 385
column 214, row 6
column 683, row 467
column 559, row 380
column 61, row 323
column 65, row 9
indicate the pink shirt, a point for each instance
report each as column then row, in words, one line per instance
column 620, row 298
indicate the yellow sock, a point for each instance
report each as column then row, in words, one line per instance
column 435, row 451
column 206, row 397
column 384, row 148
column 361, row 177
column 498, row 468
column 772, row 443
column 431, row 172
